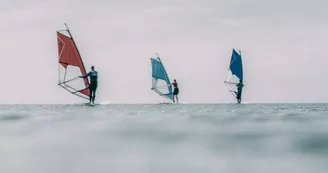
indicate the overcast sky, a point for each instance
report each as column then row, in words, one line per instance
column 284, row 44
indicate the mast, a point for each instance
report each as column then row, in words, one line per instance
column 167, row 77
column 159, row 58
column 241, row 66
column 69, row 32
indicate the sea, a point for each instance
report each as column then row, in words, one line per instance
column 164, row 138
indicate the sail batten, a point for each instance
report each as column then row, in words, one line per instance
column 160, row 80
column 71, row 66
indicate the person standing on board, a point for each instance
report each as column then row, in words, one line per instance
column 175, row 90
column 240, row 86
column 93, row 83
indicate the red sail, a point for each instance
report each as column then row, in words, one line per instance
column 69, row 56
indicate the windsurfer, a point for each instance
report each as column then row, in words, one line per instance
column 93, row 83
column 175, row 91
column 240, row 86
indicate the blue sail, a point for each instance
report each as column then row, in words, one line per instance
column 161, row 82
column 236, row 65
column 235, row 74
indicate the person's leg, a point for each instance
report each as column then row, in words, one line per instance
column 92, row 88
column 239, row 96
column 175, row 92
column 90, row 96
column 94, row 95
column 177, row 98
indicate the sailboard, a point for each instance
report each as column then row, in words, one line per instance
column 70, row 66
column 160, row 81
column 235, row 72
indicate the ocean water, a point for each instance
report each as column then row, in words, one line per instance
column 164, row 138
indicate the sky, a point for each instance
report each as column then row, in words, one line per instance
column 283, row 44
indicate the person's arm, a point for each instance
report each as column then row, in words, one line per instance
column 86, row 75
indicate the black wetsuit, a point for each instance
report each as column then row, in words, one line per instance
column 93, row 84
column 176, row 88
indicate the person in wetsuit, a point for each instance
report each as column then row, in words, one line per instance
column 93, row 83
column 175, row 91
column 240, row 86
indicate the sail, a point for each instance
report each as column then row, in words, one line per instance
column 235, row 74
column 71, row 66
column 161, row 82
